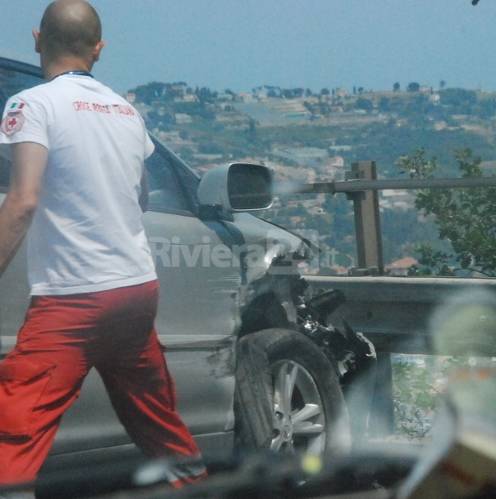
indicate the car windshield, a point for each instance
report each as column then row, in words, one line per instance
column 338, row 301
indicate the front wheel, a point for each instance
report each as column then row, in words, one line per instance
column 297, row 393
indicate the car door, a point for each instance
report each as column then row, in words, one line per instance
column 197, row 318
column 199, row 302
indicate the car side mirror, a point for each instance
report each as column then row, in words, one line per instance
column 236, row 187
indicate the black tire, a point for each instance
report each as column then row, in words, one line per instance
column 253, row 396
column 265, row 360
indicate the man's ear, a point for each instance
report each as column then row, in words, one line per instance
column 97, row 50
column 36, row 36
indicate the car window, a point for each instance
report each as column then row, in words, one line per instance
column 189, row 181
column 13, row 81
column 165, row 191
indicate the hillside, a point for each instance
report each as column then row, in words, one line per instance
column 306, row 136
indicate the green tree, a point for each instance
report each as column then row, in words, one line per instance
column 151, row 92
column 384, row 104
column 365, row 104
column 252, row 130
column 487, row 108
column 465, row 218
column 458, row 96
column 413, row 87
column 396, row 87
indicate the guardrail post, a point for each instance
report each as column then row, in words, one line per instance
column 367, row 219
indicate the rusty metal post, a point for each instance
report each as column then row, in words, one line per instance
column 370, row 260
column 367, row 220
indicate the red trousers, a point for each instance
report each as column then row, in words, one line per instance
column 62, row 338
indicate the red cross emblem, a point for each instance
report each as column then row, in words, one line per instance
column 13, row 122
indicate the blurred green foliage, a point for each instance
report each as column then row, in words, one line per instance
column 465, row 218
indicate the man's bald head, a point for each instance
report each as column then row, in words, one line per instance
column 70, row 28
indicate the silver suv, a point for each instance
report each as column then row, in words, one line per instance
column 230, row 315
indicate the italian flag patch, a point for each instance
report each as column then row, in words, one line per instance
column 14, row 119
column 16, row 106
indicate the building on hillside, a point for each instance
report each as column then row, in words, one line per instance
column 189, row 98
column 340, row 148
column 338, row 270
column 397, row 199
column 246, row 97
column 401, row 267
column 225, row 97
column 260, row 93
column 174, row 140
column 336, row 162
column 488, row 167
column 177, row 89
column 316, row 210
column 183, row 118
column 226, row 106
column 435, row 98
column 296, row 220
column 440, row 125
column 304, row 156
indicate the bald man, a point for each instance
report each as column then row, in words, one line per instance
column 77, row 183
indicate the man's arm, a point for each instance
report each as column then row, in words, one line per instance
column 28, row 165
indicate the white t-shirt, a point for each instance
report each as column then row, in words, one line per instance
column 87, row 233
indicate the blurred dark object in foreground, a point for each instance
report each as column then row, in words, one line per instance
column 374, row 472
column 371, row 472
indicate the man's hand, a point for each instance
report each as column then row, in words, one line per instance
column 28, row 165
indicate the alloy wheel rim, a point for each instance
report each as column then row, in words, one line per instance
column 299, row 418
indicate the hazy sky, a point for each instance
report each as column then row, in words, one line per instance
column 240, row 44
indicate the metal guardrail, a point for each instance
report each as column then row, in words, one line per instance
column 357, row 185
column 362, row 186
column 395, row 312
